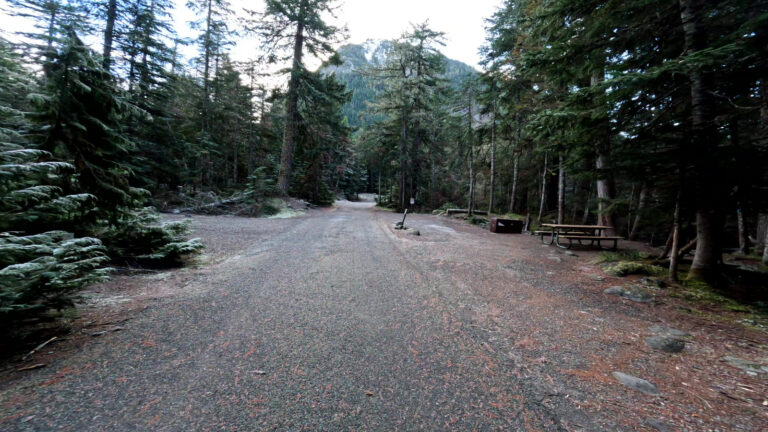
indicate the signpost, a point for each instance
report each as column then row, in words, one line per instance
column 402, row 224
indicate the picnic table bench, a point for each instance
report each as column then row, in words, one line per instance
column 578, row 233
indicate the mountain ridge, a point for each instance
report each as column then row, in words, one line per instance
column 355, row 58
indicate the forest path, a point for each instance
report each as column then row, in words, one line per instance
column 335, row 321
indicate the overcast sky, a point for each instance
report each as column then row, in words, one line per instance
column 461, row 20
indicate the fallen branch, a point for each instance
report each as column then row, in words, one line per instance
column 458, row 211
column 664, row 258
column 667, row 248
column 38, row 348
column 217, row 205
column 32, row 367
column 687, row 248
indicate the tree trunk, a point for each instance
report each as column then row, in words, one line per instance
column 604, row 196
column 585, row 216
column 708, row 197
column 52, row 24
column 415, row 157
column 470, row 139
column 471, row 204
column 207, row 67
column 516, row 169
column 493, row 162
column 515, row 176
column 109, row 34
column 543, row 194
column 403, row 152
column 234, row 161
column 743, row 237
column 765, row 248
column 561, row 191
column 641, row 205
column 673, row 255
column 175, row 56
column 291, row 112
column 709, row 225
column 144, row 72
column 761, row 234
column 605, row 186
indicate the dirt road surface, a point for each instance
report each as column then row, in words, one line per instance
column 335, row 321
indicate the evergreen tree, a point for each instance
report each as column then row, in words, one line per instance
column 212, row 22
column 82, row 113
column 80, row 116
column 412, row 92
column 654, row 114
column 296, row 27
column 41, row 264
column 323, row 158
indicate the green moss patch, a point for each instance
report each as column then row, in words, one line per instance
column 626, row 268
column 625, row 255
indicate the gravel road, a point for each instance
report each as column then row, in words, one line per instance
column 334, row 321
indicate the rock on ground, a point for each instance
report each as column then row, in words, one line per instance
column 636, row 383
column 669, row 344
column 664, row 330
column 634, row 293
column 746, row 365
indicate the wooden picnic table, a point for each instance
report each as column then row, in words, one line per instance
column 580, row 233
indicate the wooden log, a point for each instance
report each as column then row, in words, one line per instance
column 667, row 247
column 687, row 248
column 460, row 211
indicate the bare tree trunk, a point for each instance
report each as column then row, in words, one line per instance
column 673, row 255
column 515, row 176
column 585, row 216
column 493, row 162
column 743, row 237
column 605, row 187
column 641, row 204
column 561, row 191
column 471, row 203
column 109, row 34
column 604, row 195
column 765, row 248
column 761, row 235
column 543, row 190
column 516, row 169
column 292, row 110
